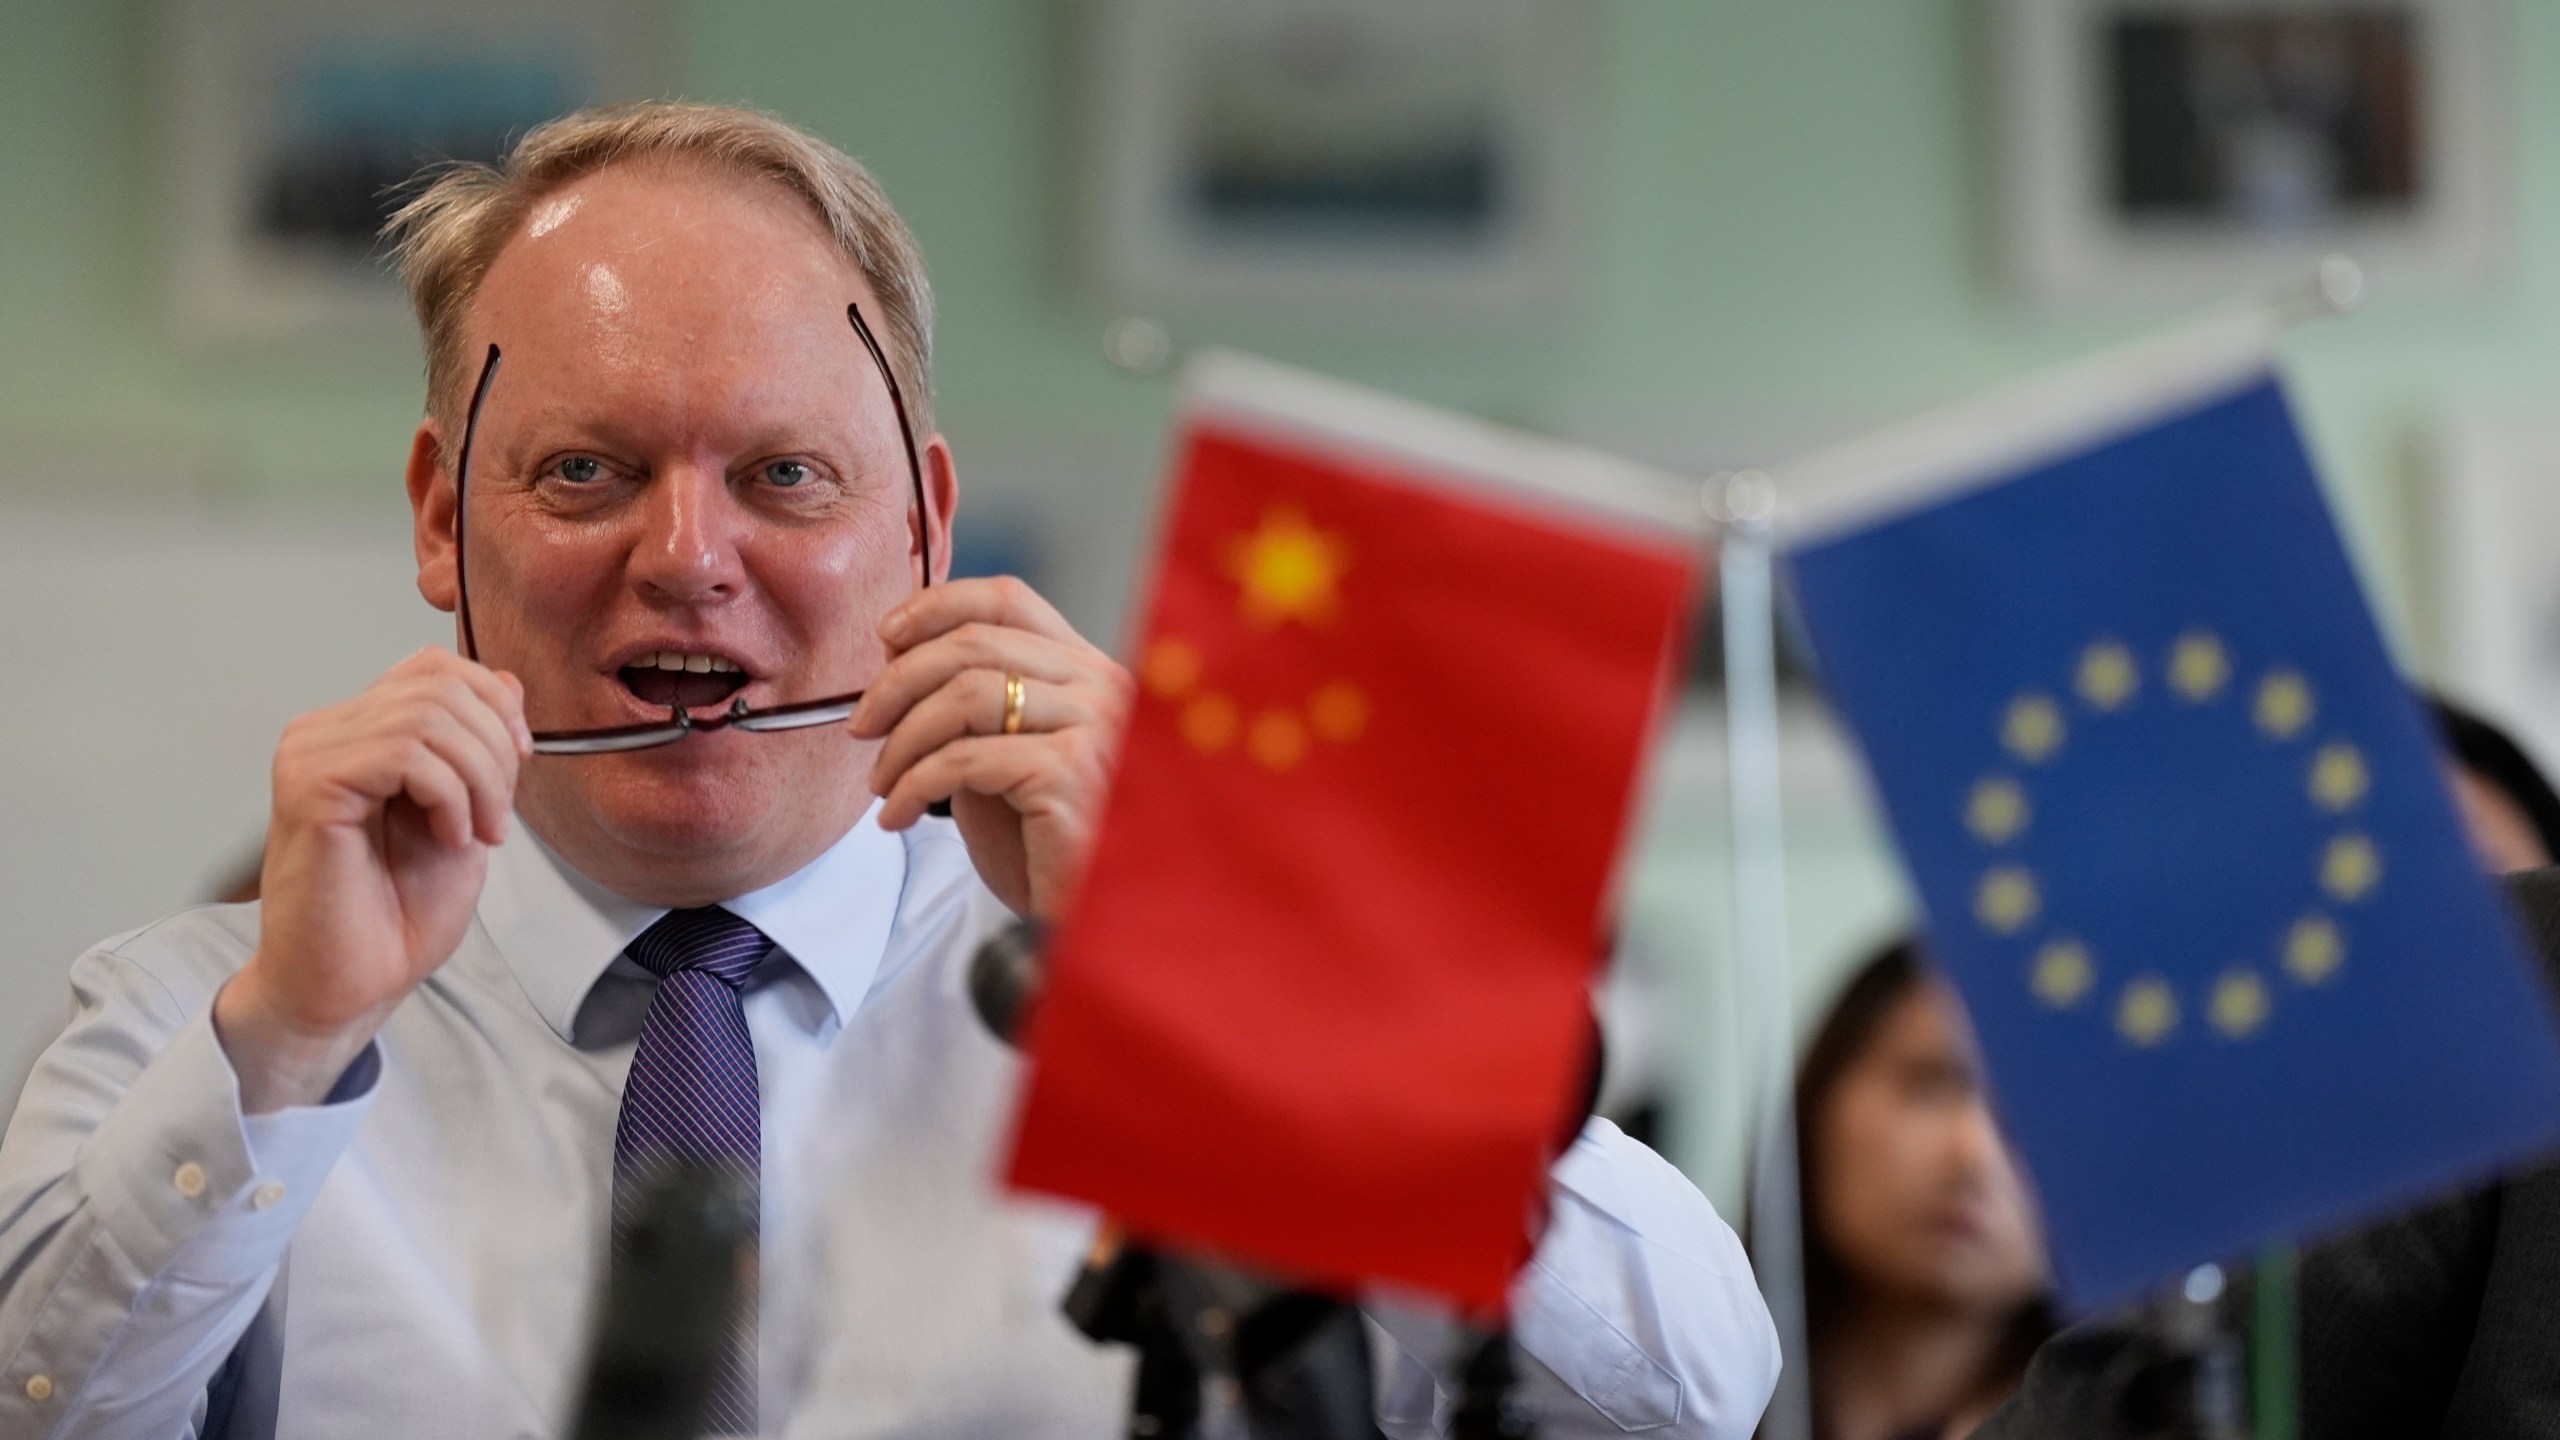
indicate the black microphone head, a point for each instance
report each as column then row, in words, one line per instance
column 671, row 1297
column 1005, row 977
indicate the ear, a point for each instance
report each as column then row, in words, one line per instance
column 431, row 508
column 942, row 499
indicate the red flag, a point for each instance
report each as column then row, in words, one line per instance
column 1322, row 1001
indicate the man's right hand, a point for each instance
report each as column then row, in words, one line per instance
column 385, row 809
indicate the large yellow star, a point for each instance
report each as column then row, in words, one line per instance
column 1288, row 569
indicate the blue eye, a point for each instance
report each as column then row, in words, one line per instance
column 786, row 473
column 580, row 470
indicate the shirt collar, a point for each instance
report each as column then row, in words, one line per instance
column 559, row 930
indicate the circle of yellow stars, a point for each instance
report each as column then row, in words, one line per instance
column 1285, row 570
column 2063, row 972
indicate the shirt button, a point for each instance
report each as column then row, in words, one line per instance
column 266, row 1196
column 189, row 1180
column 39, row 1388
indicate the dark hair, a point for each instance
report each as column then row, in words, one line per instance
column 1879, row 987
column 2494, row 756
column 1873, row 993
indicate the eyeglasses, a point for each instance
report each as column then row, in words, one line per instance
column 680, row 722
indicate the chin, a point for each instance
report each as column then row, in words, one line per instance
column 670, row 822
column 695, row 818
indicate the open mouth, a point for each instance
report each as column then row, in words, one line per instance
column 683, row 680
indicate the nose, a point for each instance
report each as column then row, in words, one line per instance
column 1981, row 1153
column 690, row 530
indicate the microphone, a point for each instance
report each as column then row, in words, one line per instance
column 1005, row 977
column 672, row 1294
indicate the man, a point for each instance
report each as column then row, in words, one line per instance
column 344, row 1164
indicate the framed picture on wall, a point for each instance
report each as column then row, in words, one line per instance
column 1337, row 153
column 2185, row 148
column 291, row 127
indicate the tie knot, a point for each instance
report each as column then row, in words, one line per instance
column 710, row 940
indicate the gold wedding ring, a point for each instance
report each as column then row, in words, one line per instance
column 1013, row 704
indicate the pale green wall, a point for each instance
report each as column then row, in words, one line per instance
column 1789, row 241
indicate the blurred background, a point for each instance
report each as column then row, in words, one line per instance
column 1708, row 235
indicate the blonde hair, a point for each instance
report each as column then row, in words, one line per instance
column 445, row 238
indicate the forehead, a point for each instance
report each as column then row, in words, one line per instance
column 1921, row 1026
column 654, row 272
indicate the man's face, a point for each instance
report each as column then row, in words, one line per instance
column 687, row 452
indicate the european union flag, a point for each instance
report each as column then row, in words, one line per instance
column 2183, row 841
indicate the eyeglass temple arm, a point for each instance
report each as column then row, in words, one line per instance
column 462, row 477
column 915, row 467
column 906, row 432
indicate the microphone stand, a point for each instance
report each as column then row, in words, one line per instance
column 672, row 1294
column 2180, row 1378
column 1294, row 1362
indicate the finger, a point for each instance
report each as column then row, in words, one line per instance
column 502, row 692
column 1057, row 778
column 485, row 763
column 468, row 703
column 993, row 600
column 930, row 665
column 431, row 784
column 436, row 708
column 973, row 703
column 990, row 765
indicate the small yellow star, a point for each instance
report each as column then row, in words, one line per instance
column 1997, row 810
column 2108, row 675
column 2147, row 1011
column 1277, row 739
column 2063, row 973
column 2239, row 1004
column 2338, row 778
column 2198, row 667
column 1209, row 722
column 2284, row 704
column 2032, row 730
column 1288, row 569
column 2313, row 949
column 2350, row 868
column 1171, row 667
column 1339, row 710
column 2007, row 899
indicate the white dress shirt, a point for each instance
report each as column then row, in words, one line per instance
column 418, row 1256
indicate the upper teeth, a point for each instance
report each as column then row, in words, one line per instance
column 679, row 660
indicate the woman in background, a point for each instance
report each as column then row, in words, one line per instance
column 1925, row 1281
column 2507, row 807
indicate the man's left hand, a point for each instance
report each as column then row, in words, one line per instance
column 1027, row 802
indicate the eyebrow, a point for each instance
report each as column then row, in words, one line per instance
column 559, row 415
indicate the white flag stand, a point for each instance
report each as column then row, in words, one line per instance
column 1742, row 505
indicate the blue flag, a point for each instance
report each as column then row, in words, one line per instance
column 2183, row 840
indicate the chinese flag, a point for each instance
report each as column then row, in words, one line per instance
column 1322, row 1001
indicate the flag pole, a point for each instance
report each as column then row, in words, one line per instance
column 1742, row 505
column 2333, row 287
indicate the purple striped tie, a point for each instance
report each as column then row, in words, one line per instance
column 692, row 1095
